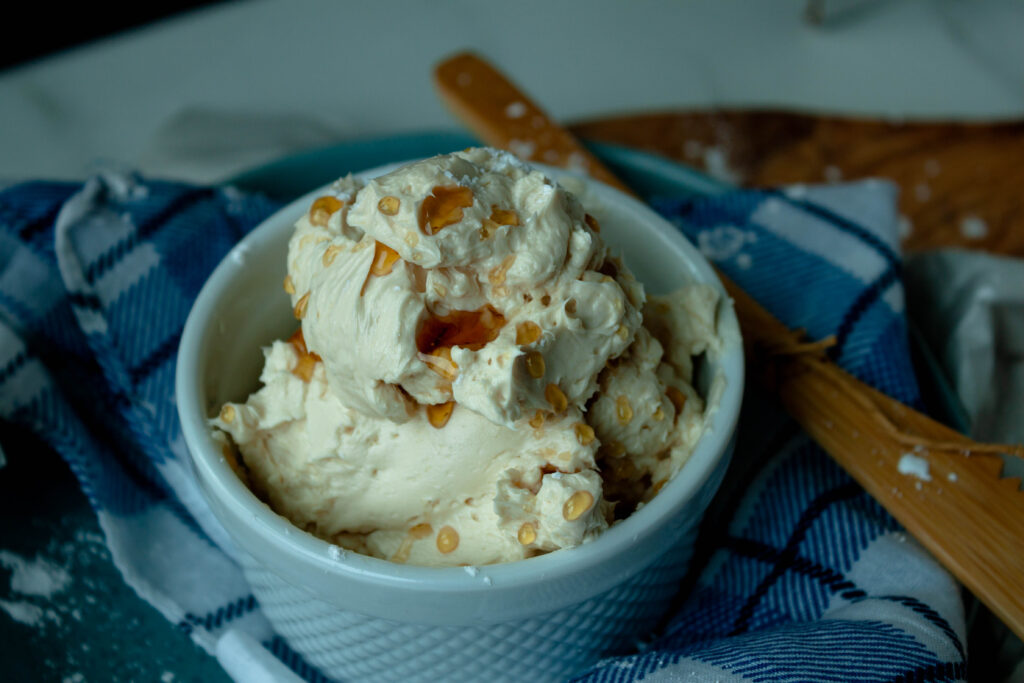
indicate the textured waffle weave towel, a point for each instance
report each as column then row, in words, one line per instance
column 804, row 577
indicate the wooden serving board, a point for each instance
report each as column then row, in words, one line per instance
column 961, row 185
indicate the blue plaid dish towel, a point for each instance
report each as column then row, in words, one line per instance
column 801, row 575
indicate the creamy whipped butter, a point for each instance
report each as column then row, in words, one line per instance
column 475, row 378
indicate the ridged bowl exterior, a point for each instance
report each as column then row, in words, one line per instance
column 552, row 646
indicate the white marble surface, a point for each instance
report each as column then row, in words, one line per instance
column 214, row 91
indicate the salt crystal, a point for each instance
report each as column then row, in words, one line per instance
column 39, row 577
column 23, row 612
column 716, row 162
column 238, row 254
column 796, row 191
column 471, row 570
column 335, row 553
column 515, row 110
column 904, row 227
column 973, row 228
column 951, row 476
column 488, row 581
column 578, row 162
column 743, row 261
column 915, row 466
column 721, row 242
column 522, row 148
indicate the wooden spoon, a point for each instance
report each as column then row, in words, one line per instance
column 963, row 512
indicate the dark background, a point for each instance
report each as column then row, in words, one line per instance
column 45, row 28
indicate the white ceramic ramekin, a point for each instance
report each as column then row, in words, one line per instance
column 361, row 618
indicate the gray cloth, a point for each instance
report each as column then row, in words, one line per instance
column 969, row 307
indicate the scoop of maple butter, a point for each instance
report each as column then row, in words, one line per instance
column 476, row 377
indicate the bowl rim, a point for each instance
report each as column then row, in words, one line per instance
column 313, row 554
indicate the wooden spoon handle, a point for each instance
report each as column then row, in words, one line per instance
column 972, row 521
column 496, row 110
